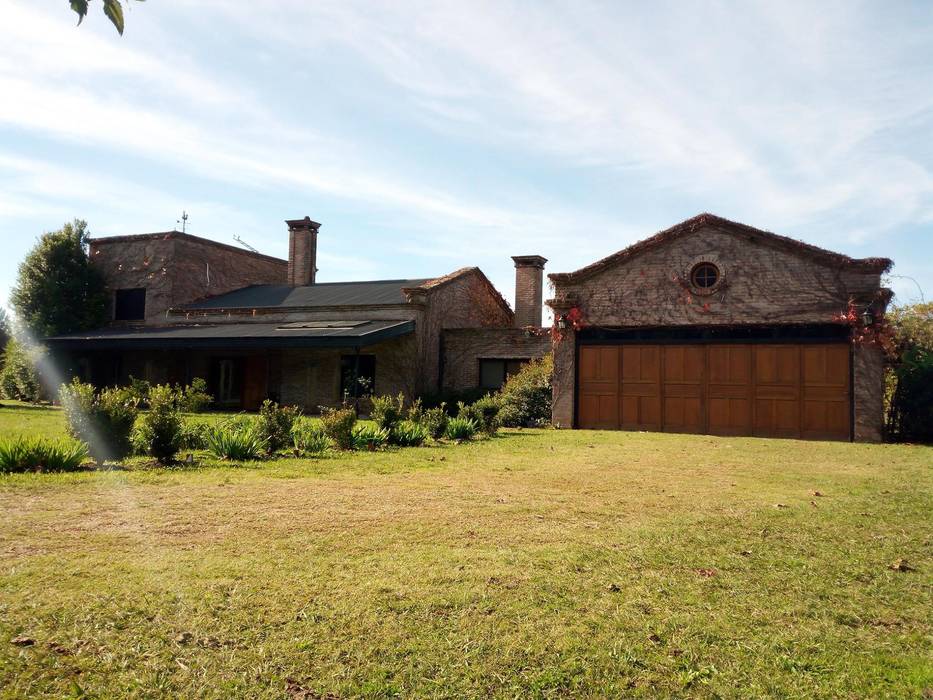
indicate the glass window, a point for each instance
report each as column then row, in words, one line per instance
column 353, row 384
column 704, row 276
column 129, row 304
column 494, row 373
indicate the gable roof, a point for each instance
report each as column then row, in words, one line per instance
column 264, row 296
column 702, row 220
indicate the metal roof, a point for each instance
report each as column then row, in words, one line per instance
column 335, row 334
column 260, row 296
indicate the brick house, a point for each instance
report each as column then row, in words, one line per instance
column 258, row 327
column 716, row 327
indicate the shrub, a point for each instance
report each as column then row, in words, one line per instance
column 19, row 379
column 460, row 429
column 409, row 434
column 275, row 424
column 338, row 426
column 525, row 400
column 308, row 439
column 160, row 429
column 194, row 398
column 416, row 411
column 369, row 437
column 139, row 389
column 387, row 411
column 435, row 420
column 235, row 440
column 20, row 454
column 484, row 412
column 103, row 420
column 910, row 378
column 194, row 435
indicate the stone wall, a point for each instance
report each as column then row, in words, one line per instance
column 760, row 284
column 463, row 349
column 176, row 268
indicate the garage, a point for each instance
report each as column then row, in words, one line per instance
column 794, row 390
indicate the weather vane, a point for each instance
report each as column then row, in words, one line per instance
column 183, row 221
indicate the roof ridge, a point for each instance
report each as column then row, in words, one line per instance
column 705, row 219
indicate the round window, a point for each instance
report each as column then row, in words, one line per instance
column 704, row 276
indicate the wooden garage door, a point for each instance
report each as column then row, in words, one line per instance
column 766, row 390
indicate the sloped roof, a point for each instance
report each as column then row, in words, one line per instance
column 263, row 296
column 207, row 335
column 697, row 222
column 167, row 235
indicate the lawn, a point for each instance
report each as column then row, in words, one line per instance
column 538, row 563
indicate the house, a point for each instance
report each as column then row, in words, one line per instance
column 716, row 327
column 258, row 327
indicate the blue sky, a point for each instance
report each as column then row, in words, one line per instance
column 430, row 136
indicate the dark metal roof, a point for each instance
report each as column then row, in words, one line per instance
column 336, row 334
column 373, row 293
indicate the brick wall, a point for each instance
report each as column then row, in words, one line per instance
column 463, row 349
column 176, row 268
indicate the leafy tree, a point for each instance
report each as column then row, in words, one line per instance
column 5, row 331
column 58, row 290
column 910, row 379
column 112, row 8
column 19, row 378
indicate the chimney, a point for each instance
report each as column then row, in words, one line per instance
column 529, row 273
column 302, row 251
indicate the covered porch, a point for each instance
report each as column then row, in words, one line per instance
column 308, row 364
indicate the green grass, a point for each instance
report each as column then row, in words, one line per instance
column 535, row 564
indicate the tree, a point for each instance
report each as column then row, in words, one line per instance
column 5, row 331
column 112, row 8
column 58, row 290
column 910, row 378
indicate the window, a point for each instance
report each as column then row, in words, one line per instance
column 704, row 276
column 129, row 304
column 493, row 373
column 226, row 380
column 361, row 383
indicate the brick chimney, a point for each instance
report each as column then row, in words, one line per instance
column 302, row 251
column 529, row 274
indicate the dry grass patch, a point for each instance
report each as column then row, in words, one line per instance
column 540, row 563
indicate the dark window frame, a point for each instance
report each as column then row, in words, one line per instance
column 705, row 276
column 129, row 304
column 516, row 362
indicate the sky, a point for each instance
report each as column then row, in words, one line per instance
column 430, row 136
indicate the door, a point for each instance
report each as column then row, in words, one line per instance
column 768, row 390
column 599, row 386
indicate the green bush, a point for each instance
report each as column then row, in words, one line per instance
column 102, row 420
column 308, row 439
column 236, row 440
column 484, row 412
column 460, row 429
column 159, row 432
column 409, row 434
column 910, row 376
column 387, row 411
column 275, row 424
column 369, row 437
column 19, row 379
column 525, row 400
column 416, row 411
column 338, row 426
column 194, row 435
column 20, row 454
column 435, row 420
column 139, row 389
column 194, row 398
